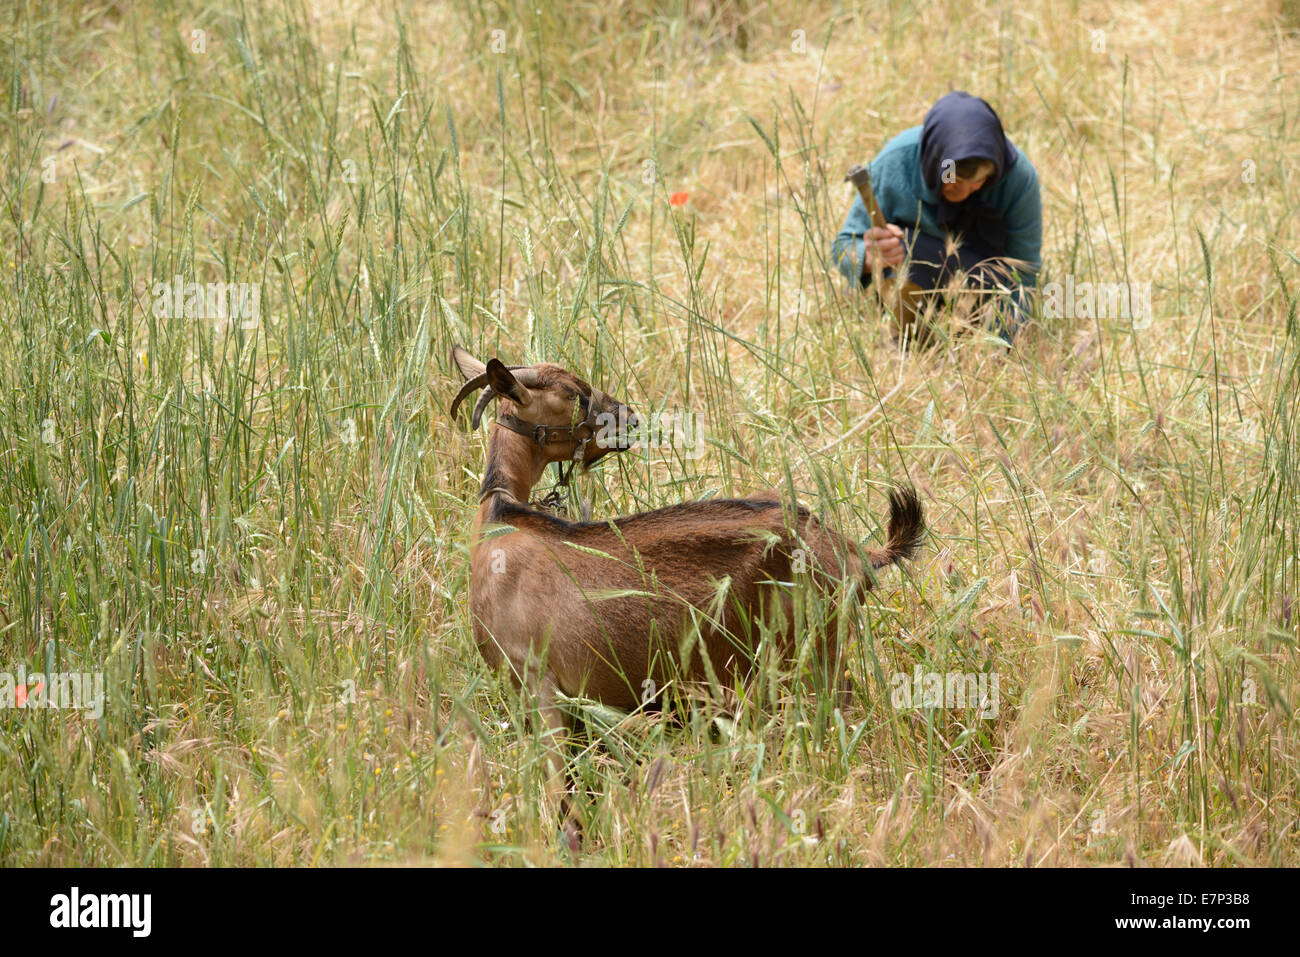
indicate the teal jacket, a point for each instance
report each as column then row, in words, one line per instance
column 906, row 201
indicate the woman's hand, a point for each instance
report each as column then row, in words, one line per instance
column 887, row 242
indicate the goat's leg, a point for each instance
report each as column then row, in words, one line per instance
column 833, row 664
column 843, row 688
column 835, row 676
column 477, row 779
column 554, row 727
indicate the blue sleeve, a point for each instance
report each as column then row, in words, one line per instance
column 891, row 173
column 1024, row 220
column 849, row 247
column 1023, row 215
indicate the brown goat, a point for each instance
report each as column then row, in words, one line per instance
column 602, row 609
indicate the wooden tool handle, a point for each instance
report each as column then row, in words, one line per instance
column 860, row 177
column 902, row 300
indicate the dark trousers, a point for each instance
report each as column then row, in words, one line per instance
column 932, row 266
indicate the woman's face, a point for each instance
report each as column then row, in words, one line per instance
column 961, row 189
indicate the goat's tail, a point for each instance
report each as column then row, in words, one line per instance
column 906, row 528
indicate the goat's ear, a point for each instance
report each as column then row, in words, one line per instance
column 468, row 365
column 504, row 383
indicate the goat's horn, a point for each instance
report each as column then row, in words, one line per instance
column 488, row 395
column 478, row 382
column 526, row 375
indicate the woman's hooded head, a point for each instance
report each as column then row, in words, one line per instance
column 961, row 127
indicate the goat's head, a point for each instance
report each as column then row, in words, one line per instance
column 564, row 416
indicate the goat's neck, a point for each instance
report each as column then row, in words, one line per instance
column 514, row 465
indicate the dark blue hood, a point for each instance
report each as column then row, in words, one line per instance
column 959, row 127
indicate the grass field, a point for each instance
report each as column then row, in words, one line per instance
column 255, row 529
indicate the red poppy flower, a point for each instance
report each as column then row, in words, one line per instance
column 20, row 693
column 679, row 199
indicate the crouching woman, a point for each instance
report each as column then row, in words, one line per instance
column 958, row 197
